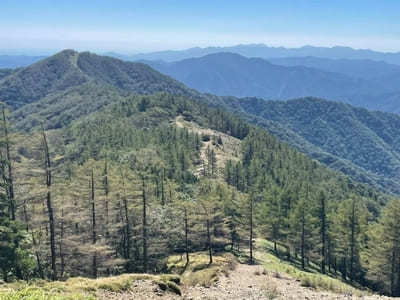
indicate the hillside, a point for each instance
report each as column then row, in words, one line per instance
column 104, row 83
column 151, row 161
column 363, row 144
column 69, row 69
column 131, row 180
column 5, row 72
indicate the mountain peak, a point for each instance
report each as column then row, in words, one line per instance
column 69, row 70
column 67, row 52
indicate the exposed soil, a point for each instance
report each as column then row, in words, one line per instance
column 247, row 282
column 228, row 150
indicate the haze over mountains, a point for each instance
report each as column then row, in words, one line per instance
column 264, row 51
column 359, row 77
column 71, row 85
column 248, row 50
column 341, row 80
column 359, row 68
column 16, row 61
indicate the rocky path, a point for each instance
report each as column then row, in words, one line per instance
column 249, row 282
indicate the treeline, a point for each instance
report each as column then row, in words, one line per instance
column 117, row 192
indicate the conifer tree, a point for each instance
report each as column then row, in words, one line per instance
column 301, row 229
column 384, row 250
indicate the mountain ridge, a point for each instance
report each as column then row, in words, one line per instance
column 68, row 69
column 264, row 51
column 232, row 74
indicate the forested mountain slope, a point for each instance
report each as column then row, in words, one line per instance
column 69, row 69
column 107, row 80
column 117, row 182
column 5, row 72
column 358, row 142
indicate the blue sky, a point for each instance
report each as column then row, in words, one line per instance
column 132, row 26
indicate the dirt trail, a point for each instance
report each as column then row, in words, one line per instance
column 228, row 150
column 248, row 282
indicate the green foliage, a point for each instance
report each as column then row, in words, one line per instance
column 147, row 199
column 35, row 293
column 355, row 141
column 68, row 70
column 15, row 260
column 5, row 72
column 383, row 255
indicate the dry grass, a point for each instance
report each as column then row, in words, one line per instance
column 272, row 292
column 199, row 272
column 83, row 288
column 312, row 279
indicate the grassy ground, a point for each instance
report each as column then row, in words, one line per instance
column 83, row 288
column 197, row 273
column 308, row 278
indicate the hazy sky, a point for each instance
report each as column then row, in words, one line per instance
column 132, row 26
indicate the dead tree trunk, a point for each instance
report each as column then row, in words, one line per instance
column 10, row 179
column 94, row 233
column 162, row 188
column 62, row 266
column 144, row 226
column 209, row 241
column 49, row 206
column 186, row 236
column 251, row 230
column 106, row 192
column 323, row 234
column 127, row 232
column 302, row 246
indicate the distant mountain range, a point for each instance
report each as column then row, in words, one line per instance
column 362, row 78
column 72, row 85
column 359, row 68
column 369, row 84
column 264, row 51
column 249, row 50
